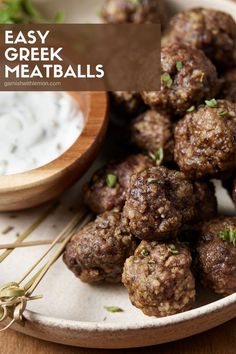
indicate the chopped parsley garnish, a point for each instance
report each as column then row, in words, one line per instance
column 211, row 103
column 111, row 181
column 223, row 113
column 144, row 253
column 167, row 79
column 23, row 12
column 113, row 309
column 228, row 236
column 179, row 65
column 136, row 2
column 59, row 17
column 191, row 109
column 157, row 155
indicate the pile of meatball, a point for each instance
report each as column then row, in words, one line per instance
column 157, row 229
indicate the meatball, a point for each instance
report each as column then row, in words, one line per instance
column 129, row 103
column 159, row 279
column 158, row 202
column 205, row 140
column 228, row 88
column 108, row 186
column 205, row 209
column 187, row 77
column 209, row 30
column 205, row 201
column 153, row 131
column 98, row 251
column 136, row 11
column 216, row 255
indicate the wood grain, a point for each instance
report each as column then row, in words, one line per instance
column 221, row 340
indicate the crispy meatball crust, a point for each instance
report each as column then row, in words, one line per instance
column 205, row 209
column 153, row 130
column 228, row 88
column 98, row 251
column 158, row 202
column 193, row 80
column 100, row 197
column 127, row 102
column 158, row 278
column 206, row 29
column 205, row 141
column 216, row 258
column 142, row 11
column 205, row 201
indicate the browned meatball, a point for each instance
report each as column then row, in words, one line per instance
column 187, row 77
column 205, row 140
column 216, row 255
column 228, row 88
column 205, row 209
column 158, row 202
column 98, row 251
column 159, row 279
column 136, row 11
column 108, row 186
column 153, row 131
column 129, row 103
column 207, row 29
column 205, row 201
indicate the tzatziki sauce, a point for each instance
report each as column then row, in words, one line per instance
column 36, row 128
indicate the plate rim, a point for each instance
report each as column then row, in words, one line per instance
column 89, row 326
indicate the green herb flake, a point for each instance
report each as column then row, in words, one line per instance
column 211, row 103
column 152, row 180
column 167, row 79
column 223, row 113
column 136, row 2
column 157, row 155
column 7, row 229
column 191, row 109
column 179, row 65
column 113, row 309
column 22, row 12
column 111, row 180
column 144, row 253
column 59, row 17
column 228, row 236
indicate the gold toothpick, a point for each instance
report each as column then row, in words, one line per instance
column 26, row 244
column 30, row 229
column 14, row 296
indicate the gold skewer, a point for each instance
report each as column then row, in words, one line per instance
column 26, row 244
column 30, row 229
column 13, row 297
column 67, row 230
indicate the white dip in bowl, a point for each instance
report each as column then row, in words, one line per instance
column 36, row 128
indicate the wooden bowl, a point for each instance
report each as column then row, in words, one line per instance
column 34, row 187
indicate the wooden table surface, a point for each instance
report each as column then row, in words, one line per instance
column 221, row 340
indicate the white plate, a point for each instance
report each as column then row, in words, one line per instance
column 72, row 312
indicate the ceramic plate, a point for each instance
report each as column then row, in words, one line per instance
column 73, row 313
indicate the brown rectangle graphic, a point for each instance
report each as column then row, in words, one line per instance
column 93, row 57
